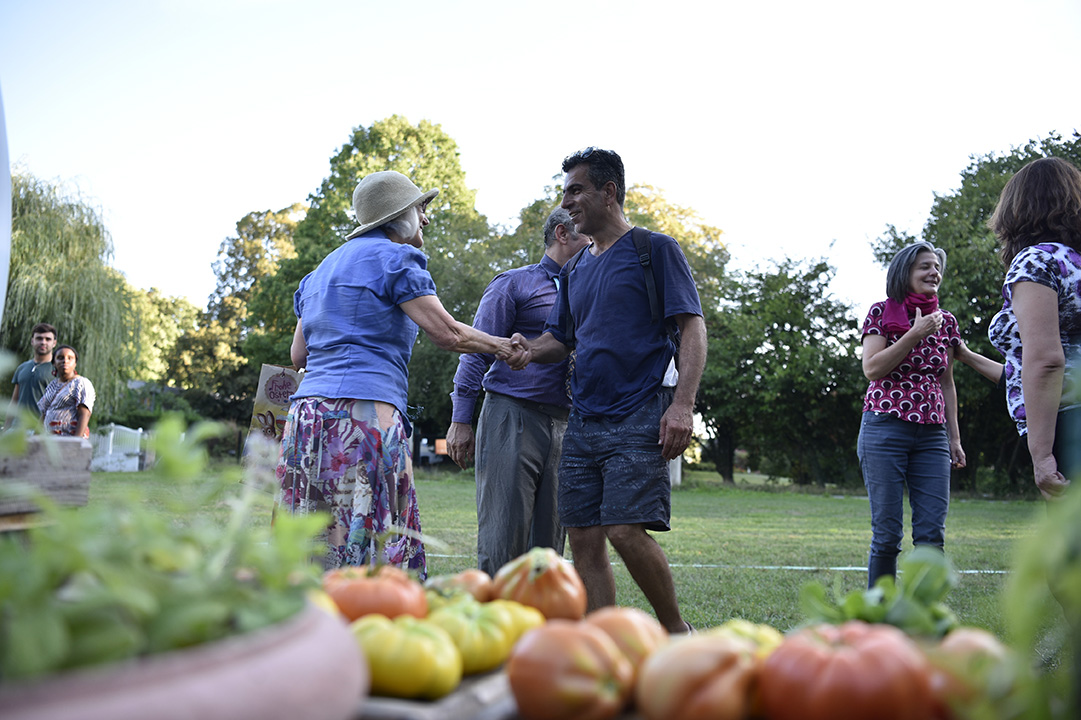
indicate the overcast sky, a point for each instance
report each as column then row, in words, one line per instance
column 799, row 128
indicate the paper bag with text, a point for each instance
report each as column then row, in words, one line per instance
column 276, row 384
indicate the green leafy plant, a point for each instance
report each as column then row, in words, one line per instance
column 102, row 584
column 914, row 603
column 1042, row 602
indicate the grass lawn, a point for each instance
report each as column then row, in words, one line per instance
column 736, row 551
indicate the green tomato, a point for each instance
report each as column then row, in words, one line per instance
column 408, row 657
column 483, row 633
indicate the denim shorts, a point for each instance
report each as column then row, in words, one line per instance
column 612, row 472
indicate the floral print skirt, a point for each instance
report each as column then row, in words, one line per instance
column 336, row 458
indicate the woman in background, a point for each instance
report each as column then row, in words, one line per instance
column 1038, row 225
column 68, row 401
column 346, row 448
column 908, row 434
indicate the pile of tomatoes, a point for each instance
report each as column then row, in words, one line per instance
column 741, row 670
column 420, row 640
column 530, row 618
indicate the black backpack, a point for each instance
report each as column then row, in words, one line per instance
column 640, row 236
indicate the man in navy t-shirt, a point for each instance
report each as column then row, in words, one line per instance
column 632, row 405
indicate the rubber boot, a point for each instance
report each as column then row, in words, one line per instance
column 878, row 565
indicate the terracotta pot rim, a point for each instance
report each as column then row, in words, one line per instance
column 157, row 676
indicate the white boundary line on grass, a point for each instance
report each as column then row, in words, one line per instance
column 802, row 568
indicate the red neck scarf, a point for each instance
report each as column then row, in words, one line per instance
column 896, row 315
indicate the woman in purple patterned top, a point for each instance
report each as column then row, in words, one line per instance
column 1038, row 223
column 908, row 435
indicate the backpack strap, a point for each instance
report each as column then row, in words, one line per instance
column 642, row 247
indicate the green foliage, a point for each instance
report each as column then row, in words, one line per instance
column 216, row 380
column 163, row 320
column 1045, row 586
column 701, row 243
column 141, row 407
column 210, row 362
column 972, row 291
column 915, row 603
column 782, row 380
column 60, row 274
column 122, row 580
column 262, row 241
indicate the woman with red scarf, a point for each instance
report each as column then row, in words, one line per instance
column 908, row 435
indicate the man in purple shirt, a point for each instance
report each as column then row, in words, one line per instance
column 520, row 430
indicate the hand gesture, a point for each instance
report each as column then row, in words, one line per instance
column 521, row 354
column 926, row 325
column 504, row 349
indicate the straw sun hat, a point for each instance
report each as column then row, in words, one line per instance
column 381, row 196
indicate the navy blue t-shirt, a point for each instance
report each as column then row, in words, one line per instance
column 621, row 355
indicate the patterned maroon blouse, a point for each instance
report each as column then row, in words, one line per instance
column 912, row 391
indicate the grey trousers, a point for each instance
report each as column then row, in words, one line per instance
column 517, row 460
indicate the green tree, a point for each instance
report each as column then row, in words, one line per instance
column 263, row 240
column 60, row 274
column 210, row 362
column 972, row 291
column 215, row 379
column 162, row 320
column 783, row 380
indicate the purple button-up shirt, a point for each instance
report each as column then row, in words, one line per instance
column 515, row 301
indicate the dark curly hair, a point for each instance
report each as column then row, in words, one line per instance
column 604, row 166
column 1040, row 203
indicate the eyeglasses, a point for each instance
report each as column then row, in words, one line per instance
column 584, row 153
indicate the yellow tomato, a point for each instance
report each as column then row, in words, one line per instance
column 321, row 600
column 408, row 657
column 525, row 617
column 764, row 637
column 481, row 631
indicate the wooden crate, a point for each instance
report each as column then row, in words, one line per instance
column 484, row 697
column 58, row 467
column 480, row 697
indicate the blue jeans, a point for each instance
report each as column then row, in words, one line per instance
column 895, row 454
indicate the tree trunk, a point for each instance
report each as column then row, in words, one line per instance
column 722, row 450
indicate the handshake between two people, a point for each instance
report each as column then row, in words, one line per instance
column 515, row 351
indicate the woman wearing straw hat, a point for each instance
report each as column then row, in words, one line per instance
column 345, row 448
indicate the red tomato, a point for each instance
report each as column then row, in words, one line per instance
column 385, row 589
column 474, row 581
column 542, row 579
column 852, row 671
column 565, row 669
column 638, row 634
column 700, row 677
